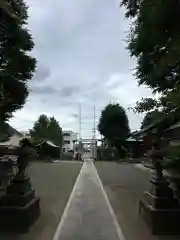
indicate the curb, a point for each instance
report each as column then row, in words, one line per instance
column 116, row 224
column 60, row 225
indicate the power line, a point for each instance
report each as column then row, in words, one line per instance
column 80, row 122
column 92, row 140
column 94, row 127
column 94, row 133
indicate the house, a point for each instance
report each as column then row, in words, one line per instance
column 173, row 134
column 13, row 139
column 135, row 147
column 166, row 130
column 69, row 140
column 48, row 149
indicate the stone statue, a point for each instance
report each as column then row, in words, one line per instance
column 156, row 156
column 24, row 154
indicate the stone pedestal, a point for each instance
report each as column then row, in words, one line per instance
column 160, row 209
column 19, row 207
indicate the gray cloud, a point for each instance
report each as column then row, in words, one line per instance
column 41, row 73
column 44, row 90
column 80, row 49
column 69, row 91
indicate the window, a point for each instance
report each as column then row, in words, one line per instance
column 64, row 149
column 66, row 134
column 66, row 142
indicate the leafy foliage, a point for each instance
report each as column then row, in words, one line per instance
column 166, row 102
column 154, row 40
column 132, row 7
column 16, row 66
column 46, row 129
column 152, row 117
column 173, row 163
column 114, row 124
column 146, row 104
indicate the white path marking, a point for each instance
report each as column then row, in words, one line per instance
column 88, row 214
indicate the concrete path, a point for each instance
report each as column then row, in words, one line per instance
column 88, row 214
column 140, row 166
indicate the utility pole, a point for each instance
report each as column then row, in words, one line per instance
column 80, row 129
column 94, row 133
column 80, row 121
column 94, row 122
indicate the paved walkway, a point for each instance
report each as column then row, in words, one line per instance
column 88, row 214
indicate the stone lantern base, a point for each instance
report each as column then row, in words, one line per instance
column 160, row 209
column 19, row 207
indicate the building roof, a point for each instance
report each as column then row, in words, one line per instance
column 164, row 123
column 176, row 125
column 68, row 131
column 48, row 143
column 51, row 144
column 14, row 131
column 131, row 139
column 7, row 131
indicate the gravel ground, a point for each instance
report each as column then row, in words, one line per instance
column 53, row 182
column 124, row 184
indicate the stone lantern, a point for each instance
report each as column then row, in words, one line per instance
column 19, row 207
column 159, row 207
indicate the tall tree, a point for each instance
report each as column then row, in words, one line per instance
column 16, row 65
column 152, row 117
column 154, row 40
column 46, row 129
column 114, row 124
column 55, row 132
column 132, row 7
column 6, row 6
column 39, row 132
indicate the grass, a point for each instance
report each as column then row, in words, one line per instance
column 53, row 182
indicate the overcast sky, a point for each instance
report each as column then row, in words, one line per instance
column 80, row 49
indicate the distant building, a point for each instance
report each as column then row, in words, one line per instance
column 69, row 140
column 48, row 149
column 173, row 134
column 14, row 137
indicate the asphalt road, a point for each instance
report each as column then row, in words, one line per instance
column 53, row 182
column 124, row 184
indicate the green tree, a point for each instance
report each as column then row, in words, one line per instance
column 152, row 117
column 114, row 124
column 154, row 40
column 39, row 132
column 46, row 129
column 6, row 6
column 132, row 7
column 16, row 65
column 55, row 132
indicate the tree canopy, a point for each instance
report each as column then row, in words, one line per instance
column 16, row 65
column 152, row 117
column 46, row 129
column 132, row 7
column 154, row 40
column 114, row 124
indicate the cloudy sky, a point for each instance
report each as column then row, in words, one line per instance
column 80, row 48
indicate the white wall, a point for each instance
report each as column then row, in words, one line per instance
column 13, row 141
column 69, row 136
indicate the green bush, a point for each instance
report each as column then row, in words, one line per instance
column 174, row 159
column 174, row 152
